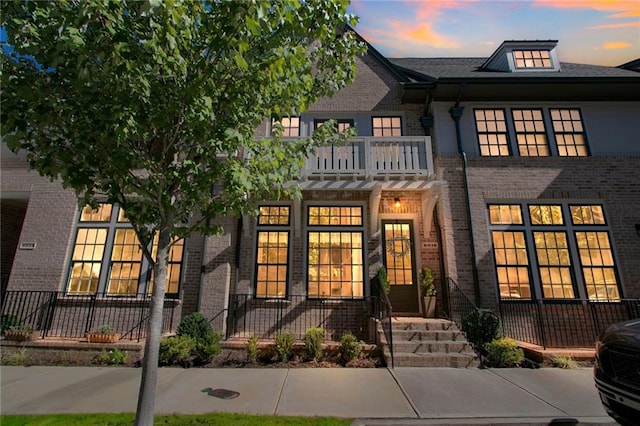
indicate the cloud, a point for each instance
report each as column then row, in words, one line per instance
column 422, row 33
column 614, row 45
column 617, row 25
column 618, row 8
column 432, row 9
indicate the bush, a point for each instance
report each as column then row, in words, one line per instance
column 8, row 321
column 199, row 329
column 252, row 349
column 113, row 357
column 350, row 346
column 563, row 361
column 177, row 350
column 284, row 341
column 381, row 275
column 313, row 339
column 481, row 326
column 504, row 352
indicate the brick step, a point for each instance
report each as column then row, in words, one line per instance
column 434, row 359
column 424, row 324
column 427, row 336
column 446, row 347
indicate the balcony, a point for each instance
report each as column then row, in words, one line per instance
column 372, row 158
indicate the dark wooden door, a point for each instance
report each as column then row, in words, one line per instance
column 399, row 259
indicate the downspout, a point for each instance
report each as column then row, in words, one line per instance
column 456, row 114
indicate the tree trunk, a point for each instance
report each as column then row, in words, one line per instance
column 147, row 395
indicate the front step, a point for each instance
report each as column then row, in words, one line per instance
column 427, row 342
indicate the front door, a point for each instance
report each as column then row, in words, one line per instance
column 399, row 260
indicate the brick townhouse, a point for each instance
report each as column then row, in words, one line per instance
column 514, row 178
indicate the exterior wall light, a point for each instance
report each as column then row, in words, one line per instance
column 396, row 202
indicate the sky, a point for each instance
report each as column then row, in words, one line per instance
column 597, row 32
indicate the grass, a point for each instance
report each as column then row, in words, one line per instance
column 214, row 419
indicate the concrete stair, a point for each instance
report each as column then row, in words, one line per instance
column 427, row 342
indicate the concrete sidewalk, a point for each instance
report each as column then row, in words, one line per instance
column 372, row 396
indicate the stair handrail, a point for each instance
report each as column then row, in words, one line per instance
column 385, row 311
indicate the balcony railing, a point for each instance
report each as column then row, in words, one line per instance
column 60, row 315
column 373, row 157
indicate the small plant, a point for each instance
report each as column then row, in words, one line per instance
column 105, row 329
column 177, row 350
column 426, row 282
column 7, row 321
column 252, row 349
column 350, row 346
column 21, row 357
column 481, row 326
column 22, row 328
column 504, row 352
column 313, row 339
column 563, row 361
column 197, row 327
column 284, row 341
column 113, row 357
column 381, row 275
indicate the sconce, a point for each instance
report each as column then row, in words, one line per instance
column 638, row 229
column 397, row 204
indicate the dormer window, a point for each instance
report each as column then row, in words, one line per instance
column 532, row 59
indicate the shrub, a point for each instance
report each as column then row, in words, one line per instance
column 313, row 339
column 113, row 357
column 284, row 341
column 563, row 361
column 207, row 342
column 481, row 326
column 381, row 275
column 504, row 352
column 252, row 349
column 8, row 321
column 177, row 350
column 350, row 346
column 105, row 329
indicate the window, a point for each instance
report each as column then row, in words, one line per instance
column 272, row 254
column 532, row 59
column 387, row 126
column 530, row 133
column 107, row 256
column 335, row 256
column 343, row 124
column 569, row 133
column 291, row 126
column 531, row 137
column 492, row 132
column 562, row 250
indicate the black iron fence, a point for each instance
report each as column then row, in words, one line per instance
column 460, row 306
column 574, row 323
column 61, row 315
column 384, row 313
column 297, row 313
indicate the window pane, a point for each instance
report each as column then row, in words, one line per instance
column 86, row 260
column 398, row 253
column 530, row 133
column 101, row 214
column 272, row 263
column 554, row 263
column 273, row 215
column 386, row 126
column 126, row 261
column 546, row 215
column 291, row 126
column 587, row 215
column 569, row 136
column 598, row 266
column 505, row 214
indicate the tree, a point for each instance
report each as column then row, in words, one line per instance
column 148, row 104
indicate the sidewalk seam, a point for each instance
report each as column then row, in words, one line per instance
column 406, row 395
column 275, row 409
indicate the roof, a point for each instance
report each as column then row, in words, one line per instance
column 429, row 69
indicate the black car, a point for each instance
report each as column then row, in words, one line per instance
column 617, row 371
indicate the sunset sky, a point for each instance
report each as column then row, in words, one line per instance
column 602, row 32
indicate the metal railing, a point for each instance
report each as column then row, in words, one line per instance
column 297, row 313
column 61, row 315
column 563, row 324
column 460, row 306
column 367, row 157
column 384, row 313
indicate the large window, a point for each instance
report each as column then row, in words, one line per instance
column 530, row 128
column 561, row 250
column 335, row 252
column 491, row 125
column 107, row 256
column 272, row 254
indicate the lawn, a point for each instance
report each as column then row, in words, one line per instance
column 215, row 419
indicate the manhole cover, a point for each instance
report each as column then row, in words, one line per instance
column 223, row 393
